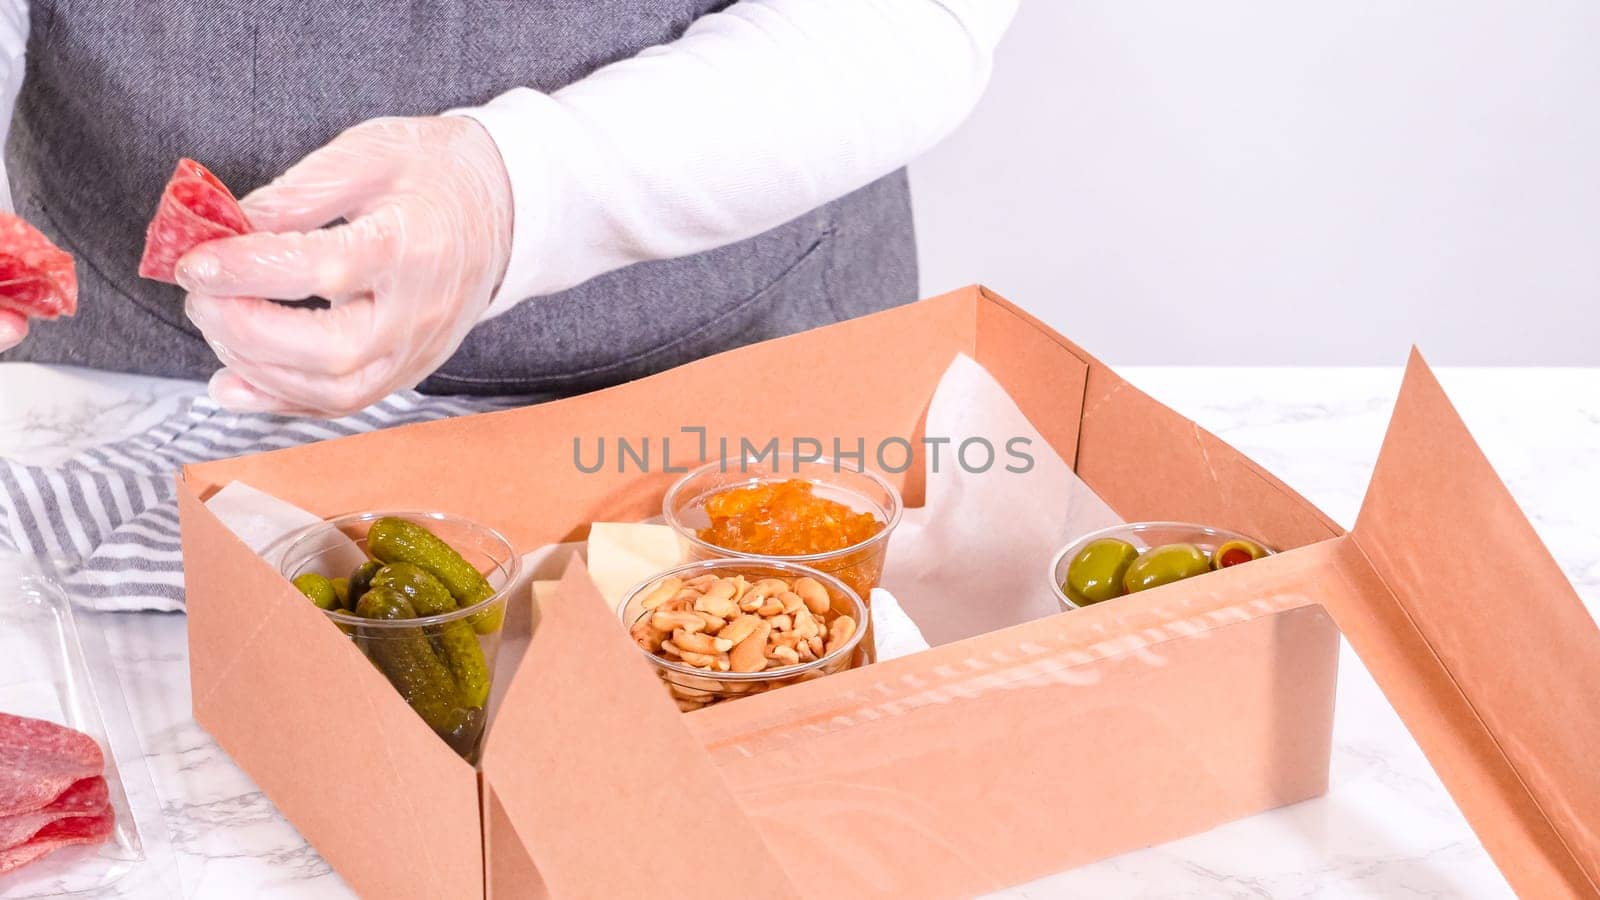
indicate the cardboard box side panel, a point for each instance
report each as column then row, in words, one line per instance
column 1038, row 369
column 518, row 470
column 592, row 764
column 964, row 794
column 284, row 692
column 1486, row 605
column 1152, row 464
column 970, row 766
column 509, row 872
column 1133, row 624
column 1515, row 832
column 1133, row 450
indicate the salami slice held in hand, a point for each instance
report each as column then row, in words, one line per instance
column 195, row 207
column 36, row 277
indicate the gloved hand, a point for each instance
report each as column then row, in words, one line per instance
column 13, row 328
column 427, row 205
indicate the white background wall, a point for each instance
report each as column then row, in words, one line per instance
column 1229, row 182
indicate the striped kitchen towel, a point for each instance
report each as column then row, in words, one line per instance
column 109, row 517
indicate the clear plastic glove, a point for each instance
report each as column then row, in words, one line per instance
column 13, row 328
column 427, row 234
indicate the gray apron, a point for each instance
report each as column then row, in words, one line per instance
column 117, row 90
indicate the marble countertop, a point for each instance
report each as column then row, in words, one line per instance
column 1386, row 827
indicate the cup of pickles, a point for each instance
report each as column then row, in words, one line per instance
column 423, row 595
column 811, row 511
column 1126, row 559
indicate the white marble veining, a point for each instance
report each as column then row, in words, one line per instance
column 1387, row 828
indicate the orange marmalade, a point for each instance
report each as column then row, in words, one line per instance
column 783, row 518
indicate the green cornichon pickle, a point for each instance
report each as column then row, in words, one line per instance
column 395, row 540
column 457, row 639
column 428, row 596
column 463, row 735
column 319, row 589
column 407, row 659
column 360, row 580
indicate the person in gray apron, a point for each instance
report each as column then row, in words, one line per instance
column 509, row 198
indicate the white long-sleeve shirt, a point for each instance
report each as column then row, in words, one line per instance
column 13, row 41
column 754, row 116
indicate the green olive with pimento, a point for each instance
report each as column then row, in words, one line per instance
column 1232, row 553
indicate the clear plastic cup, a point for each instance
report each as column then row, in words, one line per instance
column 860, row 565
column 1143, row 536
column 695, row 688
column 430, row 660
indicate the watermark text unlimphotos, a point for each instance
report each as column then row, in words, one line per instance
column 646, row 453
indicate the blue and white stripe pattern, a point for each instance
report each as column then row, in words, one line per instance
column 109, row 516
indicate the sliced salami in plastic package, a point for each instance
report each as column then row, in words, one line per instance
column 81, row 816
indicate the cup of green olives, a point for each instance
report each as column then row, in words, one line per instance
column 1138, row 556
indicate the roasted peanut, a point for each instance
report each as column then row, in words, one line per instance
column 699, row 660
column 839, row 632
column 769, row 587
column 666, row 590
column 646, row 636
column 687, row 692
column 805, row 624
column 814, row 594
column 718, row 604
column 694, row 642
column 740, row 628
column 722, row 590
column 671, row 621
column 750, row 654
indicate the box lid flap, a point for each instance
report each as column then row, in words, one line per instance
column 1482, row 645
column 604, row 784
column 284, row 693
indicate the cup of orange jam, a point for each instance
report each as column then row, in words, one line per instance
column 813, row 512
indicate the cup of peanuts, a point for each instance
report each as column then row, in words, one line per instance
column 719, row 629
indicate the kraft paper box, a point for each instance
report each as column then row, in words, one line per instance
column 980, row 763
